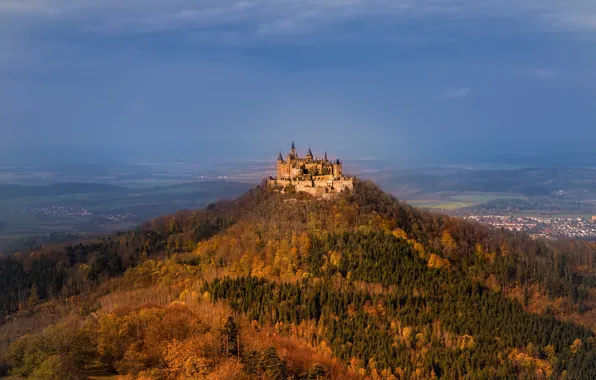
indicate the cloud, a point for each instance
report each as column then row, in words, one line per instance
column 457, row 92
column 264, row 18
column 28, row 25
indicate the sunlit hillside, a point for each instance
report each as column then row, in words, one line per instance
column 283, row 286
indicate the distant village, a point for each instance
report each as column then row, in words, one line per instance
column 548, row 227
column 66, row 212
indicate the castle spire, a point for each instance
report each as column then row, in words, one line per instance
column 309, row 154
column 326, row 156
column 293, row 147
column 280, row 157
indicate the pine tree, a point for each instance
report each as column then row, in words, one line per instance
column 231, row 337
column 316, row 372
column 271, row 365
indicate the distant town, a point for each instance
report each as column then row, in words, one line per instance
column 548, row 227
column 65, row 211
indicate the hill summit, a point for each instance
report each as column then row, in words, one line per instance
column 281, row 286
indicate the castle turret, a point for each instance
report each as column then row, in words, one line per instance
column 337, row 169
column 282, row 168
column 309, row 154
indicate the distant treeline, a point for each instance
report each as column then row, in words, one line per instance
column 32, row 243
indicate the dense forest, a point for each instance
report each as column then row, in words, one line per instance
column 284, row 286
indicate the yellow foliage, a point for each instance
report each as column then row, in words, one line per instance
column 229, row 369
column 466, row 341
column 183, row 359
column 418, row 374
column 435, row 261
column 576, row 346
column 543, row 367
column 420, row 339
column 482, row 253
column 286, row 261
column 550, row 352
column 334, row 258
column 386, row 225
column 407, row 335
column 448, row 240
column 325, row 349
column 400, row 373
column 304, row 244
column 386, row 374
column 418, row 247
column 399, row 233
column 355, row 364
column 504, row 249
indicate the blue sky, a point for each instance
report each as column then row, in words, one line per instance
column 188, row 79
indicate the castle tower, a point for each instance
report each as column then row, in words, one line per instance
column 309, row 155
column 293, row 151
column 281, row 167
column 337, row 169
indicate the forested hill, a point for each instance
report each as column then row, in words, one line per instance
column 278, row 286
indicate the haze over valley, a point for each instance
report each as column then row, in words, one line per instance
column 72, row 200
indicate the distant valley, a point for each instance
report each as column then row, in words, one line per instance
column 32, row 215
column 54, row 203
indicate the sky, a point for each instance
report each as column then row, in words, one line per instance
column 141, row 80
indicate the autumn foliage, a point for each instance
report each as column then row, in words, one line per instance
column 283, row 286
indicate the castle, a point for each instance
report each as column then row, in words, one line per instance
column 316, row 176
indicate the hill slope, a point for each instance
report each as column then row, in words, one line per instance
column 359, row 286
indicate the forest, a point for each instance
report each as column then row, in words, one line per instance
column 285, row 286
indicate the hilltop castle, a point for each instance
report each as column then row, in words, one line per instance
column 316, row 176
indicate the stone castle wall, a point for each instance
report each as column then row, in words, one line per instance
column 322, row 188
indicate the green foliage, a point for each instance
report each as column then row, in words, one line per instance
column 56, row 367
column 57, row 350
column 549, row 263
column 251, row 362
column 271, row 365
column 356, row 323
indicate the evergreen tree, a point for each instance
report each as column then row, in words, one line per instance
column 231, row 337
